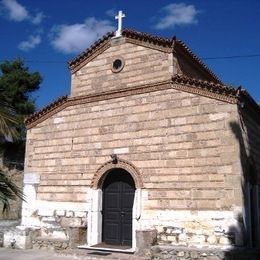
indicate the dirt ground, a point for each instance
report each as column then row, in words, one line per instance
column 33, row 254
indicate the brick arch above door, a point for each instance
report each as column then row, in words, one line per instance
column 100, row 174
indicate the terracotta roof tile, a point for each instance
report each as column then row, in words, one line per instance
column 47, row 109
column 208, row 85
column 90, row 50
column 200, row 87
column 166, row 42
column 133, row 34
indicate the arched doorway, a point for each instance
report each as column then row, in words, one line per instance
column 117, row 209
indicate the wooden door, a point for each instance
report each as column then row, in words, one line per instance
column 118, row 199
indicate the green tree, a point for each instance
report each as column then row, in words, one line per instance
column 8, row 122
column 8, row 189
column 16, row 103
column 17, row 84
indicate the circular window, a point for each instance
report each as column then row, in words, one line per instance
column 117, row 65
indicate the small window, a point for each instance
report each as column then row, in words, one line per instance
column 118, row 65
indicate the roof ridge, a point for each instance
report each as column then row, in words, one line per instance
column 142, row 36
column 219, row 87
column 90, row 49
column 125, row 32
column 198, row 86
column 196, row 58
column 147, row 36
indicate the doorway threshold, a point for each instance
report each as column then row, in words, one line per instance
column 109, row 248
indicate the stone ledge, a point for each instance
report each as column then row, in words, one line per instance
column 50, row 243
column 51, row 239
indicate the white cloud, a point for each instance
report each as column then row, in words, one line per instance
column 18, row 13
column 15, row 11
column 38, row 18
column 177, row 14
column 31, row 43
column 77, row 37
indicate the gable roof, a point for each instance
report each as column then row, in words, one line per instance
column 212, row 88
column 201, row 87
column 173, row 44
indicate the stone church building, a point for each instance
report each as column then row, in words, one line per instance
column 149, row 145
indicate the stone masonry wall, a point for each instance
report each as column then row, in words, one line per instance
column 181, row 143
column 142, row 66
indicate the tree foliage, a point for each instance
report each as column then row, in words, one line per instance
column 17, row 84
column 8, row 122
column 8, row 189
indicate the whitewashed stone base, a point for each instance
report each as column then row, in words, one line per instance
column 200, row 229
column 176, row 227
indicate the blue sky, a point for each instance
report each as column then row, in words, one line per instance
column 47, row 34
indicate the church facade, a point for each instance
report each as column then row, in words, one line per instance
column 149, row 141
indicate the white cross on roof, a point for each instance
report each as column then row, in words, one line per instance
column 119, row 17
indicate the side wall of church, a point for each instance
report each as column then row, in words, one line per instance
column 183, row 145
column 249, row 136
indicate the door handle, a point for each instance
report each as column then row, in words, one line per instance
column 122, row 213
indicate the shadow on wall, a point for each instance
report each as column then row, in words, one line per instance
column 245, row 235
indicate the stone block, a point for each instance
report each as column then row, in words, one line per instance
column 183, row 238
column 171, row 238
column 60, row 213
column 49, row 222
column 60, row 234
column 163, row 237
column 45, row 212
column 212, row 240
column 70, row 222
column 194, row 254
column 145, row 239
column 77, row 236
column 17, row 239
column 198, row 239
column 168, row 230
column 160, row 229
column 69, row 213
column 177, row 230
column 48, row 219
column 224, row 241
column 181, row 253
column 80, row 214
column 219, row 230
